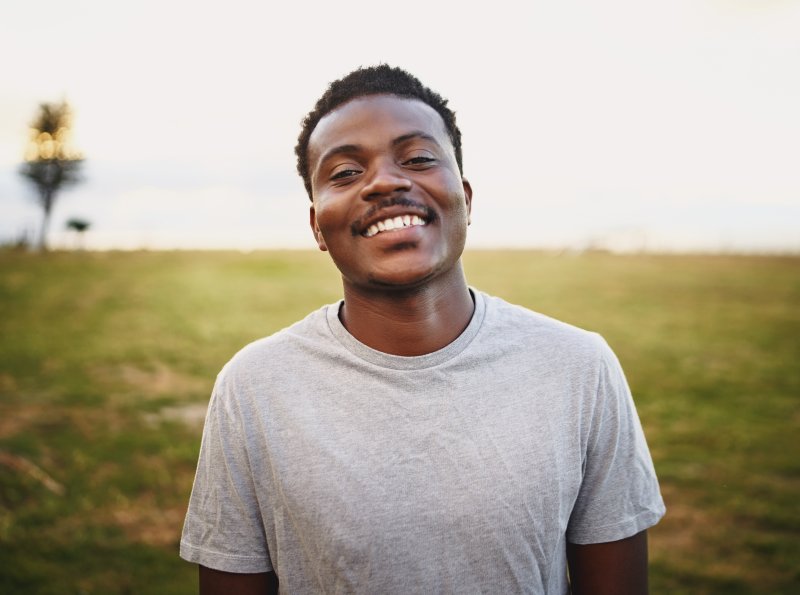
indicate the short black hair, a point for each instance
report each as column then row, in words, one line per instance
column 373, row 80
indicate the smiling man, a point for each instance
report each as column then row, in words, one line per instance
column 418, row 436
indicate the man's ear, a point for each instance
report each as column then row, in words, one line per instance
column 468, row 193
column 312, row 219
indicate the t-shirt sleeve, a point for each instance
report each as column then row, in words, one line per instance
column 619, row 494
column 224, row 529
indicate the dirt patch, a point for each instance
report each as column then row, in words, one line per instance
column 142, row 520
column 191, row 414
column 691, row 538
column 146, row 523
column 685, row 528
column 158, row 381
column 18, row 418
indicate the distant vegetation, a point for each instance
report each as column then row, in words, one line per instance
column 80, row 227
column 50, row 162
column 107, row 361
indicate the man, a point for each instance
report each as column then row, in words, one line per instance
column 419, row 436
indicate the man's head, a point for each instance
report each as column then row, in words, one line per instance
column 374, row 80
column 388, row 200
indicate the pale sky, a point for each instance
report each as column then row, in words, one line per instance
column 627, row 123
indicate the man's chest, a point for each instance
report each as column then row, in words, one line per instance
column 448, row 477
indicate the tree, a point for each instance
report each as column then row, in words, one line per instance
column 79, row 226
column 50, row 163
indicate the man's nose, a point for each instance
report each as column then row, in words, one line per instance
column 386, row 178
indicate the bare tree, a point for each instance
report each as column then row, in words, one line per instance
column 50, row 163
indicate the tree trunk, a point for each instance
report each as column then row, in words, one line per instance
column 47, row 206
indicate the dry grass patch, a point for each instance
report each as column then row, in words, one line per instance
column 157, row 380
column 144, row 521
column 193, row 415
column 18, row 418
column 693, row 540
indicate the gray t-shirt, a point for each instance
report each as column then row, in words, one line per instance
column 466, row 470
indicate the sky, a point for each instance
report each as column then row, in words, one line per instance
column 624, row 124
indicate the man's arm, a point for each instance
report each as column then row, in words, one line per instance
column 216, row 582
column 613, row 568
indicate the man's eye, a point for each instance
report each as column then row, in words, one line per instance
column 419, row 160
column 344, row 173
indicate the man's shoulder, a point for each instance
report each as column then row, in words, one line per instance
column 519, row 325
column 523, row 319
column 283, row 346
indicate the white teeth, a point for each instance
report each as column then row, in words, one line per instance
column 398, row 222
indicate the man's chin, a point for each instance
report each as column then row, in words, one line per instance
column 402, row 275
column 400, row 280
column 406, row 271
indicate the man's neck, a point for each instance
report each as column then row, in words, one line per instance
column 412, row 322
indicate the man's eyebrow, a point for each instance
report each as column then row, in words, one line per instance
column 397, row 141
column 338, row 151
column 412, row 135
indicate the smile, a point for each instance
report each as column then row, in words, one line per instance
column 393, row 224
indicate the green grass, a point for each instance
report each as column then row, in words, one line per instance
column 102, row 355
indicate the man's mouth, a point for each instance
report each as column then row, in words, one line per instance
column 393, row 224
column 393, row 214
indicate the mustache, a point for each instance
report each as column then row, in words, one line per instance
column 403, row 201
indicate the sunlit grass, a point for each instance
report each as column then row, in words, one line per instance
column 107, row 359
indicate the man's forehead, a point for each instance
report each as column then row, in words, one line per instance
column 366, row 117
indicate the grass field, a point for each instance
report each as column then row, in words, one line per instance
column 107, row 361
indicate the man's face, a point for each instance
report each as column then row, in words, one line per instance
column 389, row 203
